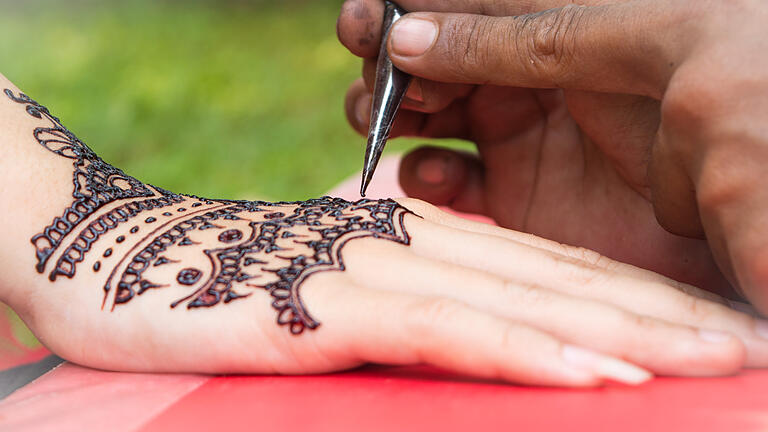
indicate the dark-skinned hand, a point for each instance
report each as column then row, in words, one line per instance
column 635, row 128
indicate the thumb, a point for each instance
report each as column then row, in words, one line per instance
column 580, row 47
column 444, row 177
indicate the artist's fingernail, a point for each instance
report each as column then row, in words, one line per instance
column 432, row 170
column 413, row 36
column 604, row 366
column 761, row 328
column 363, row 110
column 713, row 336
column 415, row 92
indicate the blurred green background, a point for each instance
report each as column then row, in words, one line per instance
column 228, row 99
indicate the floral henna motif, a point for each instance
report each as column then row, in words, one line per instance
column 269, row 246
column 96, row 184
column 217, row 250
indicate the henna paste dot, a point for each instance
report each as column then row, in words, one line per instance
column 181, row 209
column 134, row 230
column 274, row 215
column 167, row 214
column 107, row 252
column 197, row 204
column 230, row 236
column 120, row 239
column 97, row 266
column 150, row 219
column 189, row 276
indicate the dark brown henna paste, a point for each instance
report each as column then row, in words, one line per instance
column 96, row 184
column 282, row 258
column 262, row 246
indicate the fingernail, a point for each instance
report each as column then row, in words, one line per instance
column 607, row 367
column 432, row 170
column 363, row 109
column 415, row 93
column 413, row 36
column 713, row 336
column 761, row 328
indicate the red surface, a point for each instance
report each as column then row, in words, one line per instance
column 387, row 399
column 12, row 351
column 77, row 399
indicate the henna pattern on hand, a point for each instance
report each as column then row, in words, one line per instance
column 282, row 250
column 96, row 184
column 244, row 245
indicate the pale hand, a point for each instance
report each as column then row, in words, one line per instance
column 126, row 276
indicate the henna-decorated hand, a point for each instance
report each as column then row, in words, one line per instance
column 127, row 276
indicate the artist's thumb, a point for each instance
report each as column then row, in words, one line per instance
column 445, row 178
column 588, row 48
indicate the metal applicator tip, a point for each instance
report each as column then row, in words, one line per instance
column 388, row 91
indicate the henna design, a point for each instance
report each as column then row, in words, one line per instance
column 327, row 224
column 96, row 184
column 257, row 245
column 76, row 252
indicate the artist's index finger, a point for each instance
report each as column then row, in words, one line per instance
column 359, row 26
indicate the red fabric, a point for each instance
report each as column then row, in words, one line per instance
column 394, row 399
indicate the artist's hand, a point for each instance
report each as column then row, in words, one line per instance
column 661, row 123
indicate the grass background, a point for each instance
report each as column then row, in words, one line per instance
column 228, row 99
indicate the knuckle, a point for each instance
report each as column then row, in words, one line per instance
column 579, row 272
column 509, row 337
column 691, row 99
column 643, row 323
column 592, row 258
column 472, row 44
column 640, row 333
column 432, row 312
column 420, row 207
column 724, row 178
column 700, row 95
column 530, row 295
column 697, row 308
column 550, row 39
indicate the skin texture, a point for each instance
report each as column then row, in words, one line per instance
column 122, row 275
column 634, row 128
